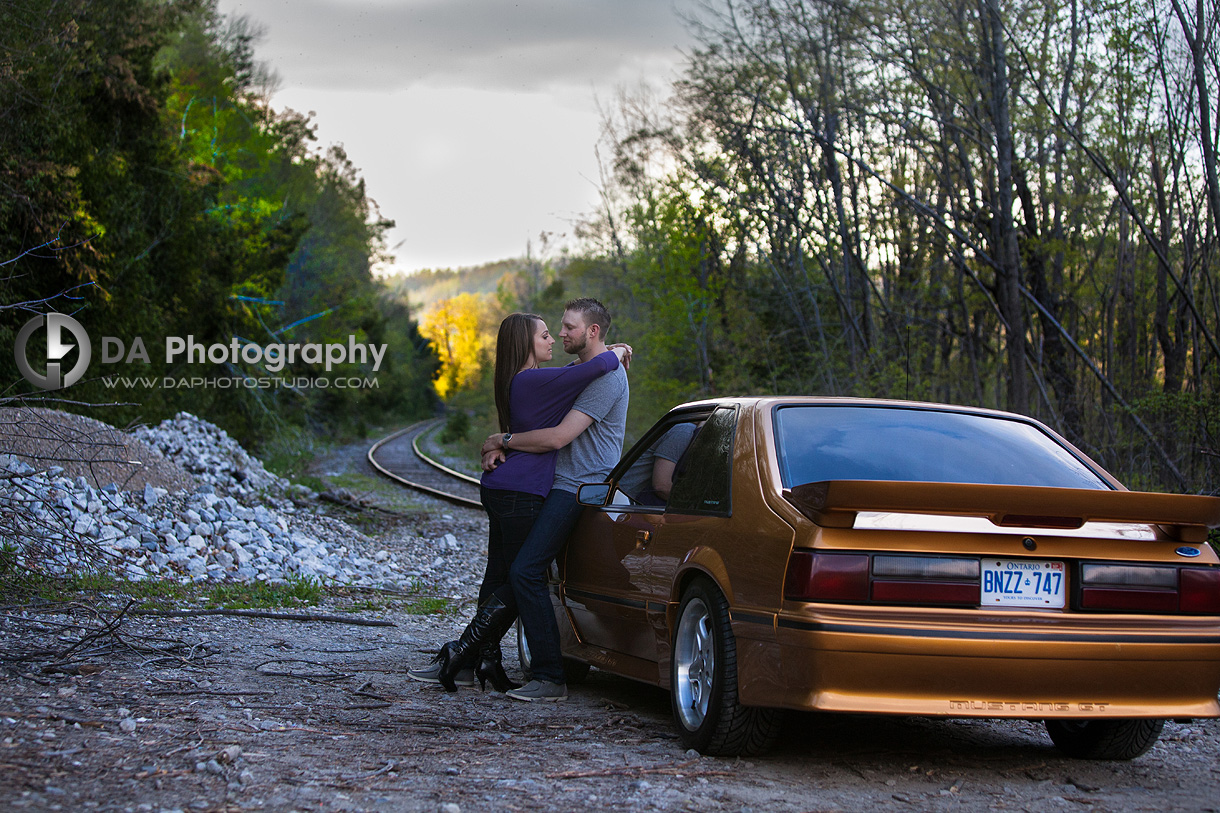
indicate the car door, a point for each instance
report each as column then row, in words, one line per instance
column 622, row 558
column 696, row 515
column 605, row 581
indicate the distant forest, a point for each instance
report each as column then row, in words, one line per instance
column 1008, row 205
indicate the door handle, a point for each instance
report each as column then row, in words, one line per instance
column 642, row 538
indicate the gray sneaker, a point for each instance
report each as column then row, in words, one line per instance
column 539, row 690
column 429, row 673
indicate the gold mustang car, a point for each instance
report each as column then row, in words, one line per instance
column 759, row 554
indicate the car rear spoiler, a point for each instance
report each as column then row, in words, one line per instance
column 835, row 503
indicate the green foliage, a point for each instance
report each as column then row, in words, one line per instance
column 27, row 585
column 288, row 450
column 891, row 207
column 147, row 188
column 457, row 427
column 429, row 605
column 8, row 558
column 425, row 288
column 295, row 591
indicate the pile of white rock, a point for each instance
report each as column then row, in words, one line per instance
column 212, row 457
column 232, row 528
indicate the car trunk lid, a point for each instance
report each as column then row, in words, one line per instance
column 835, row 504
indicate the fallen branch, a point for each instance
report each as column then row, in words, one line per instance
column 108, row 628
column 672, row 770
column 70, row 720
column 212, row 693
column 366, row 706
column 74, row 668
column 389, row 766
column 332, row 675
column 334, row 619
column 440, row 724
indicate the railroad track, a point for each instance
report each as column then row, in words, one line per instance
column 399, row 458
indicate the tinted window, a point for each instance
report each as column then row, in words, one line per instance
column 702, row 482
column 889, row 443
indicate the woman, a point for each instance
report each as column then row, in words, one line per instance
column 527, row 397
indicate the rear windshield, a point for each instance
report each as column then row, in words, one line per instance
column 819, row 443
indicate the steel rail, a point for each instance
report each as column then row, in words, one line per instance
column 422, row 426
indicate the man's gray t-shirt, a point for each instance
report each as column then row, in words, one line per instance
column 589, row 458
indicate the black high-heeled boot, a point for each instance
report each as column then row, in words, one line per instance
column 491, row 668
column 488, row 625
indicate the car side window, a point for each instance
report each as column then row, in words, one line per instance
column 703, row 479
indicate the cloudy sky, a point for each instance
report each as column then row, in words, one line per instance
column 473, row 121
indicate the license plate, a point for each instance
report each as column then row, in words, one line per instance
column 1023, row 583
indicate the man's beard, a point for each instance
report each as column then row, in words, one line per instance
column 576, row 348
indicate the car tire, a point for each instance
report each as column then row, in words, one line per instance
column 574, row 672
column 703, row 681
column 1104, row 739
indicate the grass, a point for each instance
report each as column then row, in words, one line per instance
column 156, row 594
column 101, row 589
column 460, row 454
column 384, row 492
column 430, row 605
column 36, row 586
column 289, row 452
column 412, row 601
column 295, row 592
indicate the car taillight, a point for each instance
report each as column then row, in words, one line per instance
column 925, row 592
column 827, row 576
column 925, row 567
column 925, row 580
column 1200, row 590
column 1144, row 588
column 1133, row 588
column 816, row 576
column 947, row 580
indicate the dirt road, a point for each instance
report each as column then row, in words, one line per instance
column 282, row 715
column 226, row 714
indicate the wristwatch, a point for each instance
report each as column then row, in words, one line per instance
column 505, row 439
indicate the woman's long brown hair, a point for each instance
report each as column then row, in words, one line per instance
column 514, row 345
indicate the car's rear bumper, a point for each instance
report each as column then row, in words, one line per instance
column 966, row 664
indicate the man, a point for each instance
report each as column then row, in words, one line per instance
column 590, row 442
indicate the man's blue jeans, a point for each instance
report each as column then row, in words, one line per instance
column 527, row 577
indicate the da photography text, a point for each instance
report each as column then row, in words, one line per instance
column 273, row 357
column 64, row 334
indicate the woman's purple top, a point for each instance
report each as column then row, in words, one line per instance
column 539, row 399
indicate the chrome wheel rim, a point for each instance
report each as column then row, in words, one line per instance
column 694, row 664
column 523, row 648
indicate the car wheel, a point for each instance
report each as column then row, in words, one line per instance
column 1104, row 739
column 574, row 672
column 703, row 681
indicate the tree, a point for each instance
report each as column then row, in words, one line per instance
column 458, row 332
column 1004, row 205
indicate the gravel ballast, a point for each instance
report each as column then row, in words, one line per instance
column 235, row 522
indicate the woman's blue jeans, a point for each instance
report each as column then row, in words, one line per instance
column 511, row 515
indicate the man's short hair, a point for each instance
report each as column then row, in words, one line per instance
column 594, row 312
